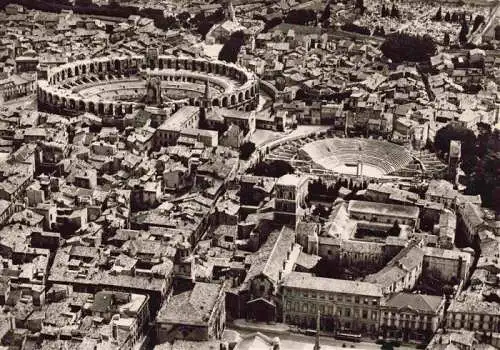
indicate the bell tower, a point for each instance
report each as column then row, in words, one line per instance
column 230, row 14
column 207, row 98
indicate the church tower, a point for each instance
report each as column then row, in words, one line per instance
column 230, row 14
column 207, row 98
column 205, row 107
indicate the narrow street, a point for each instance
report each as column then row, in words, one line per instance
column 26, row 102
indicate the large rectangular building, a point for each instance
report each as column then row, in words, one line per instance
column 169, row 131
column 411, row 316
column 343, row 305
column 384, row 213
column 447, row 264
column 402, row 272
column 469, row 310
column 198, row 315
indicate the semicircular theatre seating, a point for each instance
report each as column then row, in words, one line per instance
column 384, row 155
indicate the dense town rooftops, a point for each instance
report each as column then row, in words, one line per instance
column 78, row 264
column 108, row 189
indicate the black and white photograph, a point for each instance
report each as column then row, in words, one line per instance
column 249, row 174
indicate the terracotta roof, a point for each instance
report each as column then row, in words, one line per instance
column 418, row 302
column 193, row 307
column 303, row 280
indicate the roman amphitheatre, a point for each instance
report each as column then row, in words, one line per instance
column 113, row 86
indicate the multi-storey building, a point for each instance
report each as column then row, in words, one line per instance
column 291, row 192
column 258, row 296
column 384, row 213
column 343, row 305
column 470, row 220
column 441, row 191
column 448, row 264
column 411, row 316
column 402, row 272
column 197, row 315
column 471, row 312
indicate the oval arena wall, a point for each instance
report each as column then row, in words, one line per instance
column 238, row 88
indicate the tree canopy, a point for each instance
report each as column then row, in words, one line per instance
column 394, row 11
column 401, row 47
column 464, row 30
column 361, row 6
column 379, row 31
column 275, row 21
column 446, row 39
column 327, row 12
column 385, row 11
column 351, row 27
column 394, row 230
column 438, row 16
column 232, row 47
column 301, row 16
column 477, row 22
column 273, row 168
column 485, row 177
column 246, row 150
column 466, row 136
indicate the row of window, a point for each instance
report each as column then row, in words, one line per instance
column 474, row 326
column 378, row 218
column 406, row 324
column 466, row 317
column 339, row 298
column 348, row 312
column 286, row 206
column 413, row 317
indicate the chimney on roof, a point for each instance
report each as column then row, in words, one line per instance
column 12, row 322
column 114, row 331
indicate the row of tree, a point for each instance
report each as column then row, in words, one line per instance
column 351, row 27
column 400, row 47
column 393, row 12
column 456, row 17
column 231, row 48
column 480, row 159
column 360, row 6
column 203, row 23
column 301, row 17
